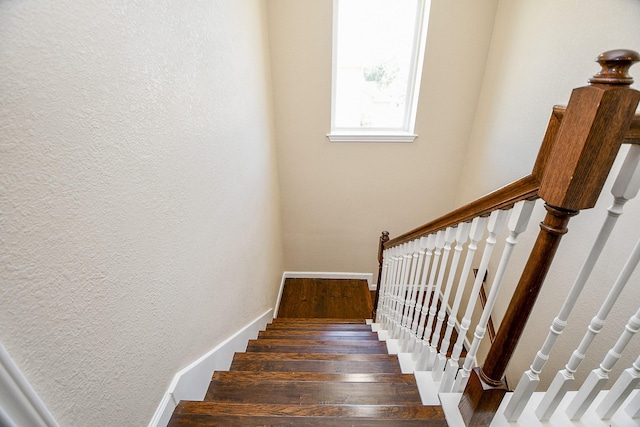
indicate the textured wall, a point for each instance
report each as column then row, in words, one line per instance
column 138, row 194
column 338, row 197
column 540, row 51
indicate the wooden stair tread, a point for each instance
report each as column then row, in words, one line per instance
column 359, row 411
column 324, row 362
column 310, row 392
column 212, row 420
column 317, row 320
column 316, row 334
column 299, row 346
column 320, row 326
column 367, row 358
column 337, row 366
column 233, row 414
column 313, row 376
column 325, row 298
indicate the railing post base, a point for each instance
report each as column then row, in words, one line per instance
column 480, row 400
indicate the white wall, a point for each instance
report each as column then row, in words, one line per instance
column 338, row 197
column 138, row 194
column 540, row 51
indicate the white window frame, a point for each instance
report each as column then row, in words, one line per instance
column 406, row 133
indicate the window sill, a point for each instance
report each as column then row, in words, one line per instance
column 371, row 136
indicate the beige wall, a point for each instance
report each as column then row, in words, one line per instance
column 138, row 194
column 338, row 197
column 540, row 51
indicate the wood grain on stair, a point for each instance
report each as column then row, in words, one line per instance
column 325, row 298
column 390, row 411
column 320, row 326
column 329, row 320
column 294, row 334
column 314, row 376
column 313, row 392
column 315, row 363
column 215, row 414
column 315, row 346
column 311, row 372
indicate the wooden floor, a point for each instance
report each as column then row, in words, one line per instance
column 325, row 298
column 304, row 372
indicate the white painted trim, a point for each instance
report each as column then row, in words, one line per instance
column 320, row 275
column 19, row 402
column 371, row 136
column 191, row 383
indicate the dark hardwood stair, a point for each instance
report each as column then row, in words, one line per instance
column 317, row 346
column 311, row 372
column 294, row 334
column 316, row 362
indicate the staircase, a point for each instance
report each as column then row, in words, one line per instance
column 304, row 370
column 312, row 372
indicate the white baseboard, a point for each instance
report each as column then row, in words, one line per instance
column 191, row 383
column 321, row 275
column 20, row 405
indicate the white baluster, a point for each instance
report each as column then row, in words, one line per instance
column 404, row 277
column 393, row 281
column 383, row 285
column 426, row 251
column 429, row 355
column 397, row 277
column 408, row 256
column 624, row 189
column 409, row 338
column 386, row 285
column 428, row 272
column 565, row 378
column 462, row 234
column 495, row 224
column 633, row 408
column 475, row 234
column 598, row 377
column 423, row 337
column 627, row 381
column 518, row 221
column 410, row 303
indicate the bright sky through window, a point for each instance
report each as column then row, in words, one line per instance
column 376, row 55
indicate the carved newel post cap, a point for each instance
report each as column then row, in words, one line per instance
column 615, row 67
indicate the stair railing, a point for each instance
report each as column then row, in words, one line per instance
column 625, row 188
column 575, row 158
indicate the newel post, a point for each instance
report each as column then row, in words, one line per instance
column 384, row 237
column 587, row 142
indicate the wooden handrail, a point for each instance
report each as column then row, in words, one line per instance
column 505, row 197
column 523, row 189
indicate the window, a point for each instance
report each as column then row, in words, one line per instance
column 378, row 49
